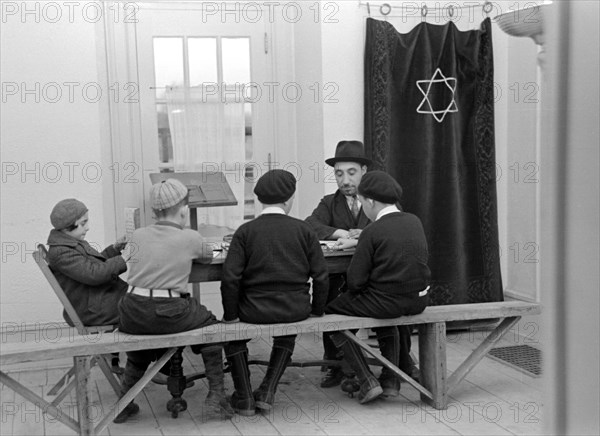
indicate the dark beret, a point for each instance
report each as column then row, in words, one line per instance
column 275, row 186
column 66, row 212
column 380, row 186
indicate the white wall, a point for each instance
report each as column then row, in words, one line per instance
column 50, row 146
column 342, row 54
column 519, row 175
column 570, row 221
column 308, row 112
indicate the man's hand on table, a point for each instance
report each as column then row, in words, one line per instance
column 340, row 233
column 354, row 233
column 346, row 234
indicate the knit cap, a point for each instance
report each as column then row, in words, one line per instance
column 66, row 212
column 380, row 186
column 275, row 186
column 167, row 194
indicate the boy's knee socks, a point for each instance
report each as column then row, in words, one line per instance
column 131, row 376
column 213, row 366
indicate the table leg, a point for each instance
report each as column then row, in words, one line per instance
column 176, row 385
column 194, row 225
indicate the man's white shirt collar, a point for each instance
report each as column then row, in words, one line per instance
column 386, row 211
column 272, row 209
column 350, row 199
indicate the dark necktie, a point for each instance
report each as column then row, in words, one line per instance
column 354, row 207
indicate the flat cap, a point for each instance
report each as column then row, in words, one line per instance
column 167, row 194
column 380, row 186
column 275, row 186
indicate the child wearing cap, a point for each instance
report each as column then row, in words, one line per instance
column 388, row 277
column 158, row 301
column 265, row 280
column 89, row 279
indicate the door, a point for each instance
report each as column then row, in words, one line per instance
column 201, row 49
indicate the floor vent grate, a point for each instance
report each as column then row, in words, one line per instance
column 520, row 357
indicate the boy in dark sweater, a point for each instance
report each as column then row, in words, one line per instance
column 265, row 280
column 388, row 277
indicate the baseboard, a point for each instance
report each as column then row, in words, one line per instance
column 516, row 295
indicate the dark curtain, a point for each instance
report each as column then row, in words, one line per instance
column 429, row 122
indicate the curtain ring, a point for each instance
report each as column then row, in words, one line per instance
column 385, row 7
column 487, row 7
column 451, row 11
column 369, row 8
column 424, row 11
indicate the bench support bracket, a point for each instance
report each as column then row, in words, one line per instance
column 134, row 391
column 48, row 408
column 480, row 352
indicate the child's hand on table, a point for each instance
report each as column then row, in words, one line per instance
column 345, row 243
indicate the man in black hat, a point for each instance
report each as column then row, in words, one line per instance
column 340, row 216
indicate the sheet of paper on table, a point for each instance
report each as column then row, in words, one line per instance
column 328, row 245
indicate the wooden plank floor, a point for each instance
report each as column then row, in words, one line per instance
column 494, row 399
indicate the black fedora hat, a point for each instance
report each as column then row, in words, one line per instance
column 349, row 151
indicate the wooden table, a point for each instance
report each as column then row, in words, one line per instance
column 337, row 262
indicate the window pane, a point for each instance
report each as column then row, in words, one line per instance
column 168, row 64
column 165, row 146
column 202, row 53
column 236, row 60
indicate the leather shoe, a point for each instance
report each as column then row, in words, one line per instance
column 350, row 385
column 130, row 410
column 369, row 390
column 244, row 406
column 333, row 377
column 390, row 385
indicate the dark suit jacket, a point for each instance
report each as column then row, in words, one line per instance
column 333, row 213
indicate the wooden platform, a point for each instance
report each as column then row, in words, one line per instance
column 494, row 399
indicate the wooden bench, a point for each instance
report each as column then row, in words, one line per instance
column 434, row 386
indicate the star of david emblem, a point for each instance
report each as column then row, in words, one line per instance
column 425, row 88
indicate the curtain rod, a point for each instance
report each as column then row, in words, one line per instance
column 385, row 8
